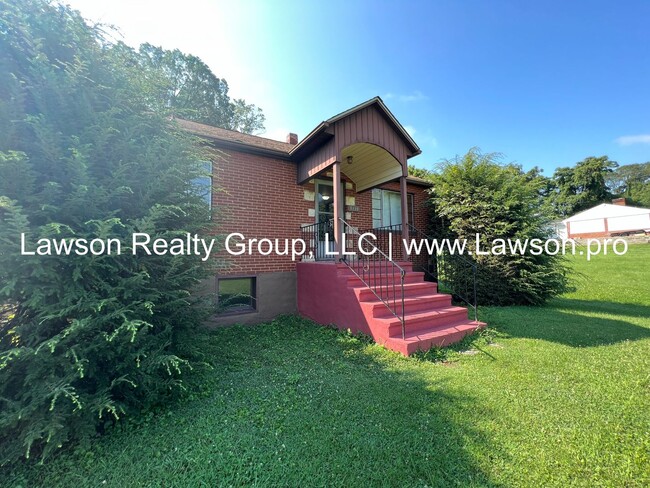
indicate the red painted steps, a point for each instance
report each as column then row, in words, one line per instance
column 382, row 278
column 389, row 291
column 423, row 340
column 411, row 304
column 424, row 319
column 430, row 318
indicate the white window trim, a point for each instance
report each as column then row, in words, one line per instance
column 378, row 196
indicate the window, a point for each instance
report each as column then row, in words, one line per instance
column 387, row 208
column 203, row 184
column 236, row 295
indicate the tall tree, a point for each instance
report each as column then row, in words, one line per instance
column 475, row 194
column 189, row 89
column 86, row 339
column 582, row 186
column 247, row 118
column 420, row 172
column 631, row 181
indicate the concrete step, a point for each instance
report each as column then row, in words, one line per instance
column 425, row 339
column 405, row 265
column 382, row 279
column 365, row 294
column 411, row 305
column 423, row 319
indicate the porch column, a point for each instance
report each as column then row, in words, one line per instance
column 338, row 228
column 405, row 214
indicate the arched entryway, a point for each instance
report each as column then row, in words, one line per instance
column 368, row 144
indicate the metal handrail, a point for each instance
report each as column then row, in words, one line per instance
column 313, row 234
column 384, row 238
column 365, row 268
column 442, row 269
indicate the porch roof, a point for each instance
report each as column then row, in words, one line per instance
column 416, row 180
column 324, row 128
column 369, row 133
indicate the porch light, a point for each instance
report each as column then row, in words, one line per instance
column 350, row 159
column 325, row 193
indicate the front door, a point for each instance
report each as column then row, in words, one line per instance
column 325, row 217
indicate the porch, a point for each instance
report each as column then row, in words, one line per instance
column 357, row 273
column 395, row 301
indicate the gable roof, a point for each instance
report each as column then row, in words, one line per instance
column 607, row 210
column 284, row 150
column 324, row 126
column 233, row 137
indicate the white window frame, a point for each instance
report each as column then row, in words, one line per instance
column 205, row 182
column 378, row 207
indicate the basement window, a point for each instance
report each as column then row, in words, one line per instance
column 236, row 295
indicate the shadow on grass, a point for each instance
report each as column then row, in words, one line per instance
column 572, row 322
column 356, row 414
column 595, row 306
column 292, row 403
column 380, row 422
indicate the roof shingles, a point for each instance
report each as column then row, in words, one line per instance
column 233, row 136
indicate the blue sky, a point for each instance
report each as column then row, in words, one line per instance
column 545, row 83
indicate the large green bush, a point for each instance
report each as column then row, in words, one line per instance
column 85, row 152
column 475, row 194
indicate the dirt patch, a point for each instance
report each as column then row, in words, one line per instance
column 470, row 352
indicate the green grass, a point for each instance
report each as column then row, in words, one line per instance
column 560, row 396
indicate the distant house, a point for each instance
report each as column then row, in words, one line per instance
column 347, row 176
column 606, row 220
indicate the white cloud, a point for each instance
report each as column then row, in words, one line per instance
column 278, row 134
column 427, row 141
column 422, row 139
column 638, row 139
column 415, row 96
column 410, row 129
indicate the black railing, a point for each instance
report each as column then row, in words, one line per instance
column 388, row 240
column 314, row 237
column 376, row 270
column 458, row 274
column 453, row 272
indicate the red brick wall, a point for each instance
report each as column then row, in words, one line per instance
column 589, row 235
column 259, row 198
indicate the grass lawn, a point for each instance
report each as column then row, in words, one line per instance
column 560, row 398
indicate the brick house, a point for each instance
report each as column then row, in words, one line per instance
column 267, row 189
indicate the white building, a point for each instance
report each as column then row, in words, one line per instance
column 606, row 220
